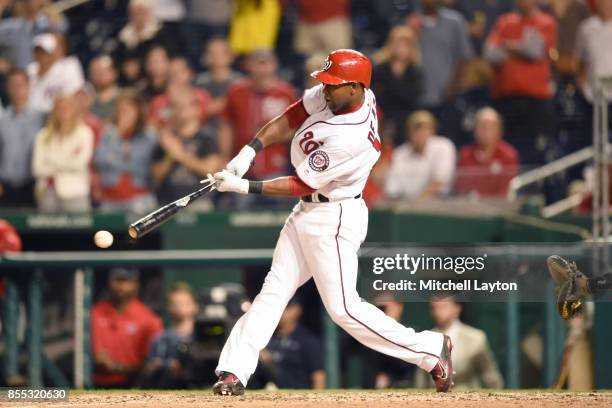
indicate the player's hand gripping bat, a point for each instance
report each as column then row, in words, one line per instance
column 151, row 221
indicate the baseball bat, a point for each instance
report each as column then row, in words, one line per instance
column 149, row 222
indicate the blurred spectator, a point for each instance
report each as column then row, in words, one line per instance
column 398, row 80
column 568, row 15
column 293, row 355
column 31, row 18
column 251, row 103
column 519, row 46
column 486, row 167
column 141, row 32
column 123, row 158
column 180, row 81
column 254, row 26
column 206, row 19
column 424, row 166
column 157, row 73
column 169, row 11
column 104, row 76
column 473, row 362
column 593, row 48
column 323, row 26
column 445, row 47
column 60, row 162
column 187, row 152
column 53, row 73
column 481, row 15
column 84, row 100
column 166, row 366
column 218, row 59
column 6, row 8
column 122, row 329
column 19, row 125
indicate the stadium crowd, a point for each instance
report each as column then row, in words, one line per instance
column 123, row 105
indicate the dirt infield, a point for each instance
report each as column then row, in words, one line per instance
column 327, row 399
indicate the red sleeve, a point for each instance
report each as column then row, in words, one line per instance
column 204, row 100
column 227, row 112
column 299, row 188
column 95, row 335
column 550, row 34
column 495, row 37
column 296, row 114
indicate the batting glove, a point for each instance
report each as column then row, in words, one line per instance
column 230, row 183
column 240, row 164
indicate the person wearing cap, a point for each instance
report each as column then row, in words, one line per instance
column 424, row 166
column 251, row 103
column 122, row 328
column 52, row 74
column 30, row 18
column 333, row 130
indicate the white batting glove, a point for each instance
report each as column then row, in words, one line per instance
column 230, row 183
column 240, row 164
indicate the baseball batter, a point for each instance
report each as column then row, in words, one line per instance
column 334, row 138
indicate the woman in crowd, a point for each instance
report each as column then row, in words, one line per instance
column 123, row 158
column 60, row 161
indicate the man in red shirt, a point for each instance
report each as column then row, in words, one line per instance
column 520, row 46
column 122, row 329
column 487, row 166
column 251, row 103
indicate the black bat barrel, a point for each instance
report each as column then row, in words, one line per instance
column 149, row 222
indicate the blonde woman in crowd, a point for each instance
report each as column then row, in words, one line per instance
column 60, row 162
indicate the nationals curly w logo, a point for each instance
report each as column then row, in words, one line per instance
column 326, row 65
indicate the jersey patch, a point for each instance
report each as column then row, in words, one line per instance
column 318, row 161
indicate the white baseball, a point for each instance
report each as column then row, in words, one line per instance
column 103, row 239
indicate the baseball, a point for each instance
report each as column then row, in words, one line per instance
column 103, row 239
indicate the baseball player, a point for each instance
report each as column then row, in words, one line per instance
column 334, row 138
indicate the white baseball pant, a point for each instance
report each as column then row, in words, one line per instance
column 321, row 240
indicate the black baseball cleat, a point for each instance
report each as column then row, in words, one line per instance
column 442, row 373
column 228, row 384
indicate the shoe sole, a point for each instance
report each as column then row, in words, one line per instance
column 226, row 390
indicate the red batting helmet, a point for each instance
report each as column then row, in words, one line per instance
column 343, row 67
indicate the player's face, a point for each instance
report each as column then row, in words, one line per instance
column 339, row 97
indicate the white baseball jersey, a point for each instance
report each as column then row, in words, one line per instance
column 334, row 154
